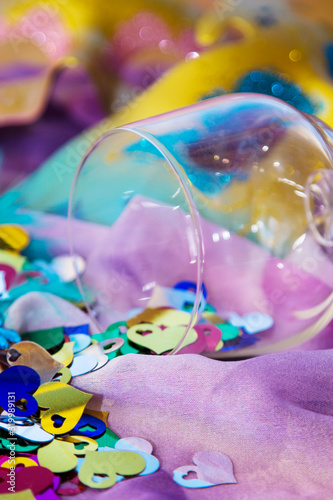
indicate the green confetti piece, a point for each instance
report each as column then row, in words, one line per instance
column 229, row 332
column 49, row 338
column 109, row 438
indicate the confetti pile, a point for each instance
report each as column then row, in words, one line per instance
column 45, row 425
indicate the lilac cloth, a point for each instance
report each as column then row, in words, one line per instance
column 272, row 415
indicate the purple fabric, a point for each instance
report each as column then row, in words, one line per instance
column 271, row 415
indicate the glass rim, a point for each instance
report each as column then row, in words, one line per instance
column 178, row 171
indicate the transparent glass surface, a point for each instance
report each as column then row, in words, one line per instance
column 234, row 192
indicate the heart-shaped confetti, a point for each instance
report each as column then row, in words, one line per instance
column 25, row 429
column 50, row 339
column 97, row 352
column 211, row 467
column 82, row 364
column 161, row 317
column 143, row 448
column 211, row 334
column 18, row 460
column 64, row 375
column 82, row 444
column 34, row 356
column 21, row 446
column 154, row 338
column 229, row 332
column 113, row 332
column 89, row 426
column 36, row 479
column 125, row 463
column 58, row 456
column 19, row 383
column 252, row 323
column 65, row 355
column 64, row 406
column 74, row 330
column 81, row 342
column 109, row 438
